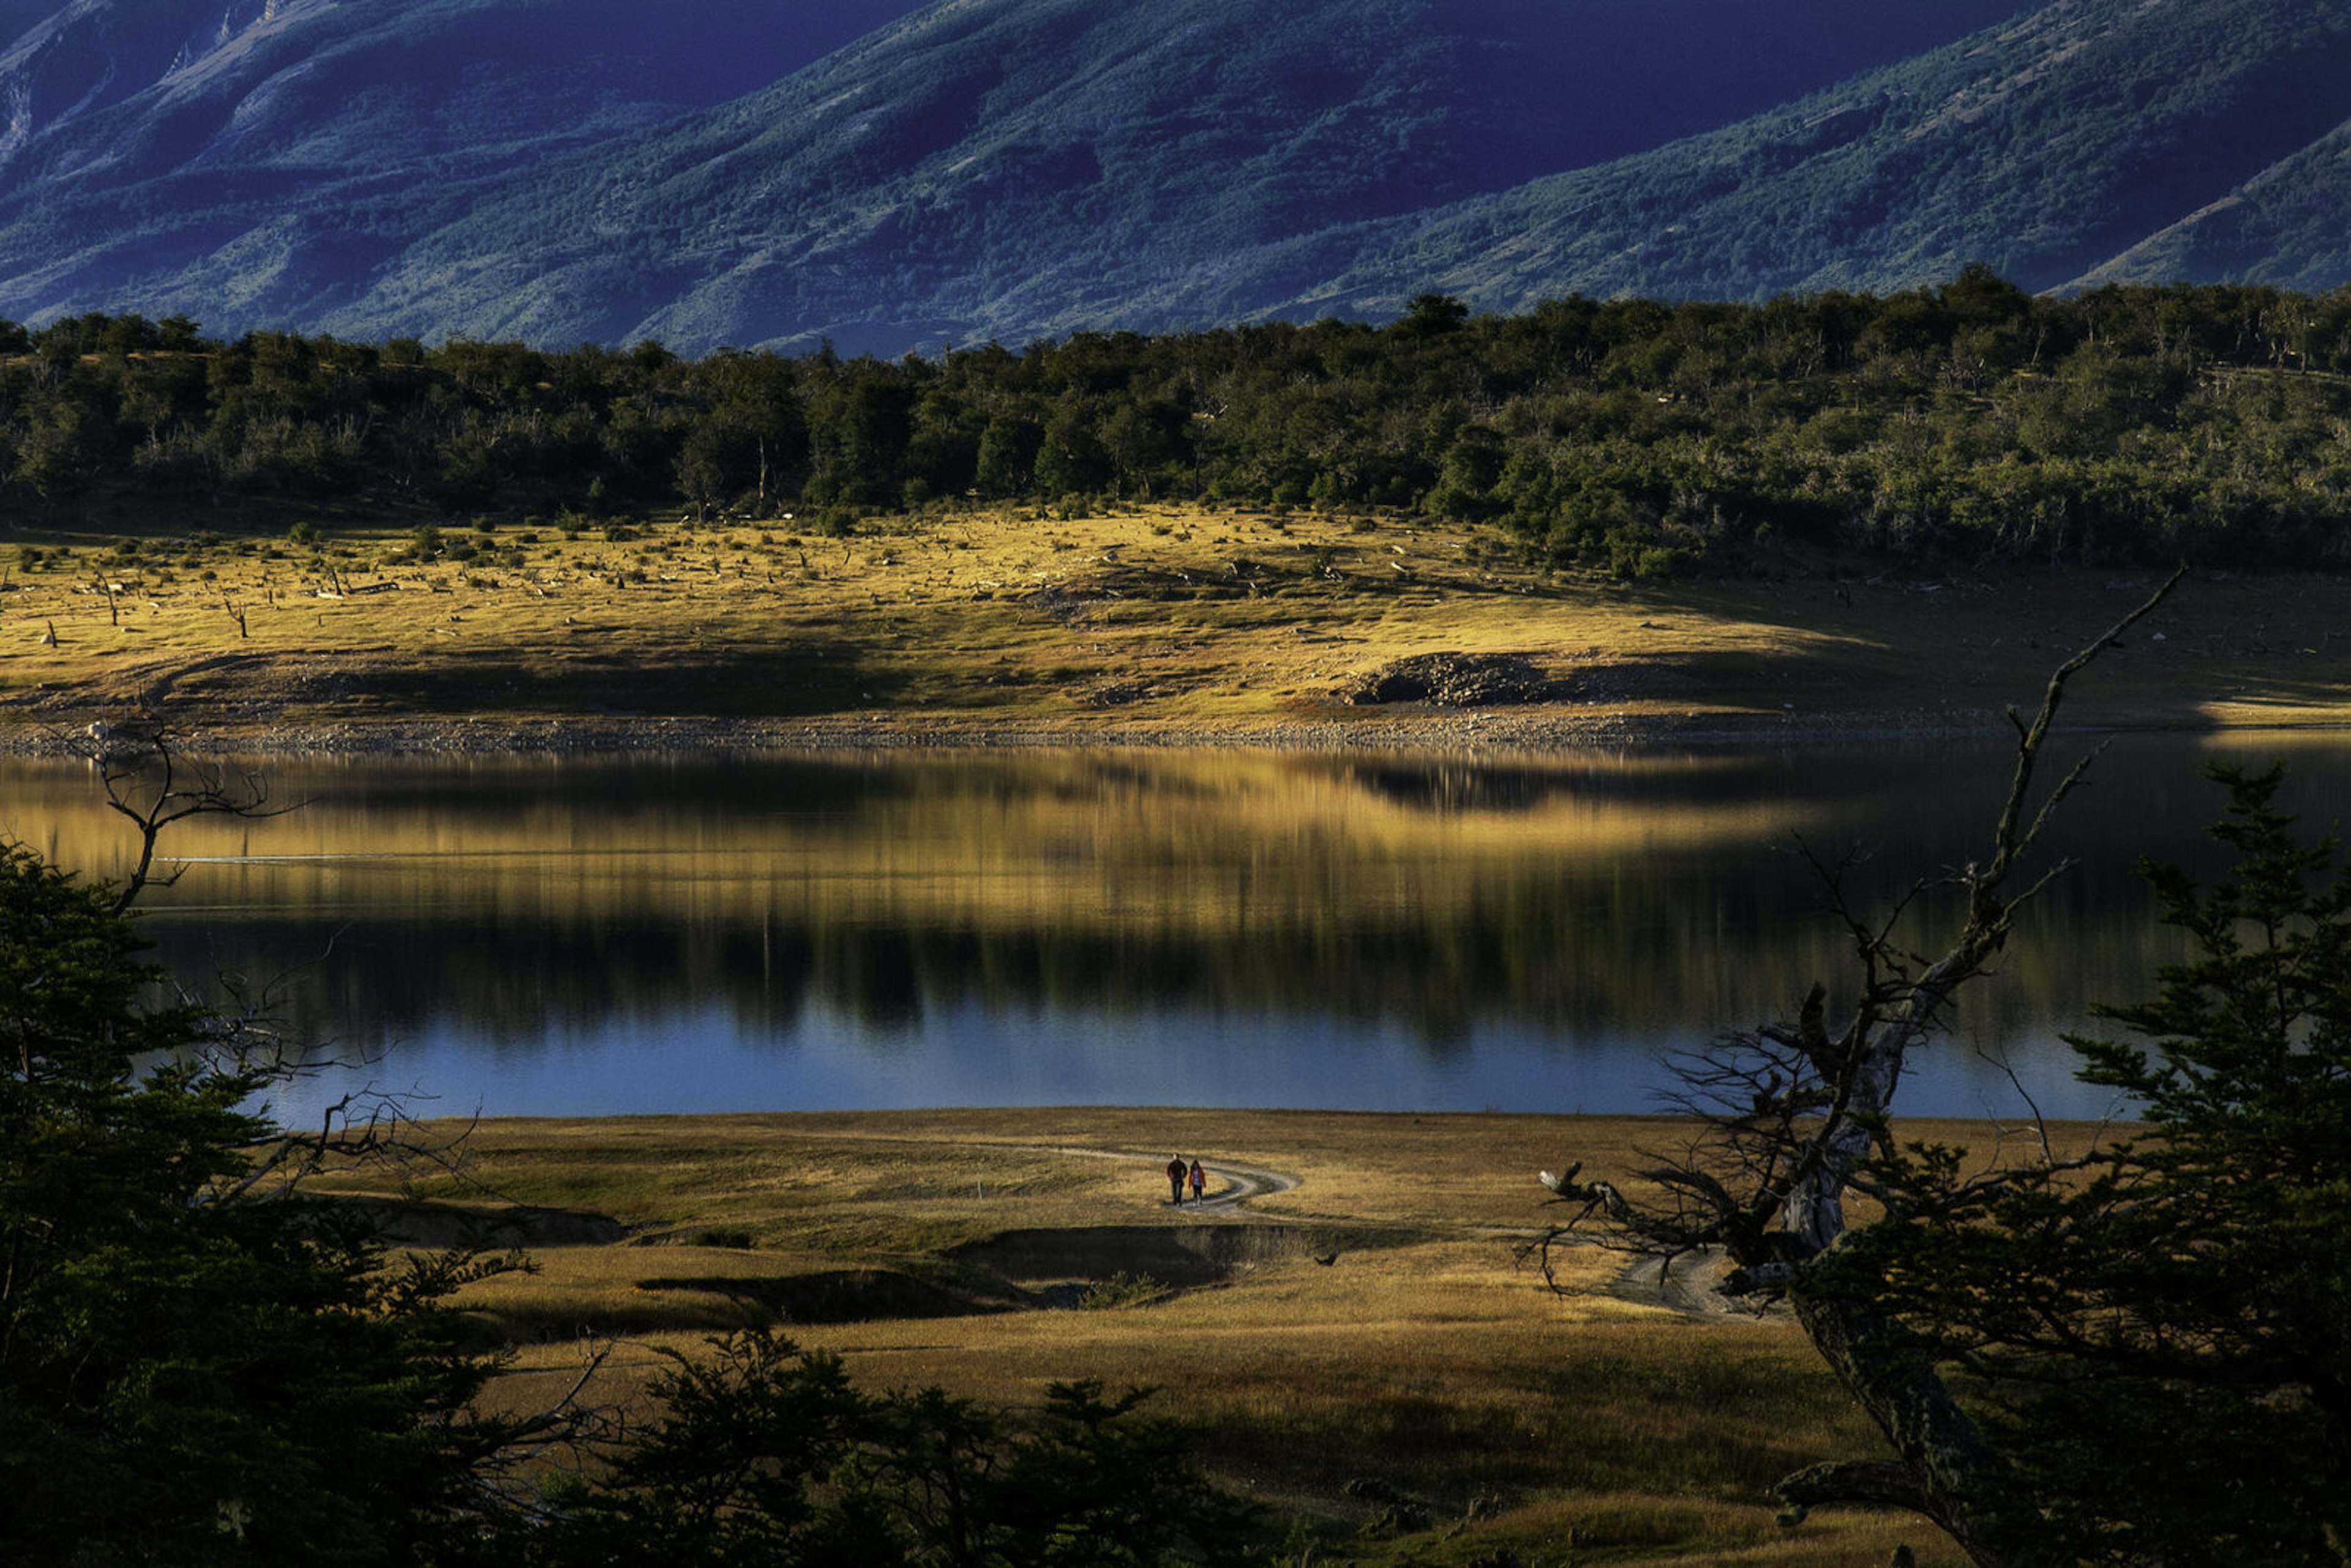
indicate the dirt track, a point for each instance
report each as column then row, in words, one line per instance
column 1685, row 1288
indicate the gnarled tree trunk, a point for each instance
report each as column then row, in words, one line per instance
column 1792, row 1113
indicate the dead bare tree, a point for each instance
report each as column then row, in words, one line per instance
column 1784, row 1119
column 150, row 780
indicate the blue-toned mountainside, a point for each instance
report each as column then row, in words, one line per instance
column 2090, row 140
column 2290, row 225
column 214, row 158
column 727, row 171
column 1006, row 168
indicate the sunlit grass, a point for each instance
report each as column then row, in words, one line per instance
column 1186, row 618
column 1424, row 1353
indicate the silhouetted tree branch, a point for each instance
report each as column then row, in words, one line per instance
column 150, row 783
column 1787, row 1116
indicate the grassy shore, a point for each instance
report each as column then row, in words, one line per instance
column 1144, row 624
column 1374, row 1320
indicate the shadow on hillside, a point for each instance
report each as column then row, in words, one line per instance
column 614, row 685
column 1177, row 1255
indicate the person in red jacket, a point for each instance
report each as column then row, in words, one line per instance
column 1199, row 1181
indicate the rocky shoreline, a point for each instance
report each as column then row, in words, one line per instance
column 1518, row 729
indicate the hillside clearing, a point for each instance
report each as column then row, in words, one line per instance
column 1146, row 623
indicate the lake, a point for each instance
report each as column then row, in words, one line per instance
column 1379, row 932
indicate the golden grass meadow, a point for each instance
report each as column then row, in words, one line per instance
column 1376, row 1320
column 1160, row 622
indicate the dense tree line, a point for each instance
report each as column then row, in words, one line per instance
column 2130, row 424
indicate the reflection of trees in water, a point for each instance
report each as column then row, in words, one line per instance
column 1852, row 781
column 1656, row 955
column 522, row 904
column 1448, row 786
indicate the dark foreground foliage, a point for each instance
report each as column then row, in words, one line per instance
column 765, row 1454
column 199, row 1364
column 2159, row 1337
column 2129, row 425
column 2137, row 1354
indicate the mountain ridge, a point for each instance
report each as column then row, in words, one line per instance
column 1237, row 138
column 195, row 155
column 1769, row 195
column 893, row 177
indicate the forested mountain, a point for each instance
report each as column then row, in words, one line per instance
column 250, row 161
column 725, row 171
column 1003, row 168
column 2290, row 225
column 2076, row 143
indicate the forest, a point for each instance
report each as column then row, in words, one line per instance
column 1970, row 421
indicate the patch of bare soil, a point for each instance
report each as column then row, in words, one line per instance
column 1686, row 1285
column 503, row 1225
column 1184, row 1256
column 209, row 692
column 836, row 1295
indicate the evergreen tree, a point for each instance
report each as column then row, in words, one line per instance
column 197, row 1363
column 2161, row 1331
column 764, row 1454
column 2140, row 1354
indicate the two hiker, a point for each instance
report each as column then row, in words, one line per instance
column 1179, row 1173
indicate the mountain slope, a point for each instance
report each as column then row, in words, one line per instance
column 586, row 170
column 181, row 154
column 987, row 166
column 2289, row 225
column 2048, row 148
column 1006, row 168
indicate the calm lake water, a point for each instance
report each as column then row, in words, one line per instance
column 1351, row 932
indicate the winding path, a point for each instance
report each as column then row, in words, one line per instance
column 1683, row 1290
column 1242, row 1183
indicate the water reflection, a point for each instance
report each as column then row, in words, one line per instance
column 1378, row 933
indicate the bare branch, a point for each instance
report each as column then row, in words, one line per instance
column 1787, row 1118
column 148, row 781
column 2007, row 844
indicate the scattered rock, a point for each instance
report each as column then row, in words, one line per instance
column 1455, row 680
column 1399, row 1515
column 1404, row 1517
column 1058, row 605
